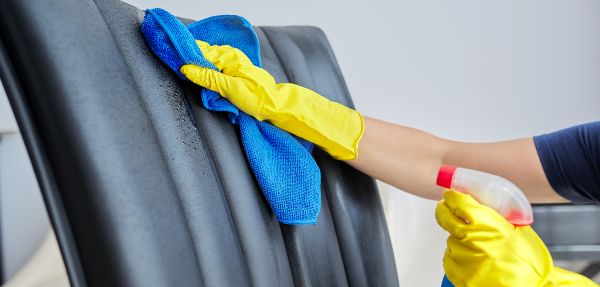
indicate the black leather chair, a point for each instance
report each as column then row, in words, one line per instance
column 146, row 188
column 571, row 232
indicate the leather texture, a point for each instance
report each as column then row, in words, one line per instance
column 146, row 188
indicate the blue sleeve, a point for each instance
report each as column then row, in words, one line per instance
column 571, row 161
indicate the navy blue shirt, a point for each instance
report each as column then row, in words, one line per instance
column 571, row 161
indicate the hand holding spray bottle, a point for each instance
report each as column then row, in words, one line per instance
column 490, row 190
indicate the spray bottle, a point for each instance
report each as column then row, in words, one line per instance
column 490, row 190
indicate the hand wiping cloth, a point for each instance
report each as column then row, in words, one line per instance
column 282, row 163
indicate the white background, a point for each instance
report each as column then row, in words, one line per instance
column 467, row 70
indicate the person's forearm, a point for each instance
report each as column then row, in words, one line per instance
column 409, row 159
column 403, row 157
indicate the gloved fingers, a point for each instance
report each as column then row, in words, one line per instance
column 464, row 250
column 226, row 58
column 461, row 205
column 205, row 77
column 233, row 62
column 455, row 225
column 466, row 207
column 239, row 91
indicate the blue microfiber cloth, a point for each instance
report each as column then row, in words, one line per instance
column 282, row 163
column 446, row 282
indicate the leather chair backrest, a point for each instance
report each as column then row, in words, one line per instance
column 146, row 188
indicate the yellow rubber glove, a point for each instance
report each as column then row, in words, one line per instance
column 484, row 249
column 334, row 127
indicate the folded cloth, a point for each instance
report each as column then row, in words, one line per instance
column 282, row 163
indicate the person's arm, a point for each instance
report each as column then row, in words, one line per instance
column 409, row 159
column 404, row 157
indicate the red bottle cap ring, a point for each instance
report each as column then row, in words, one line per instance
column 445, row 174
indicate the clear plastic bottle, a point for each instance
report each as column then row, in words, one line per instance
column 490, row 190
